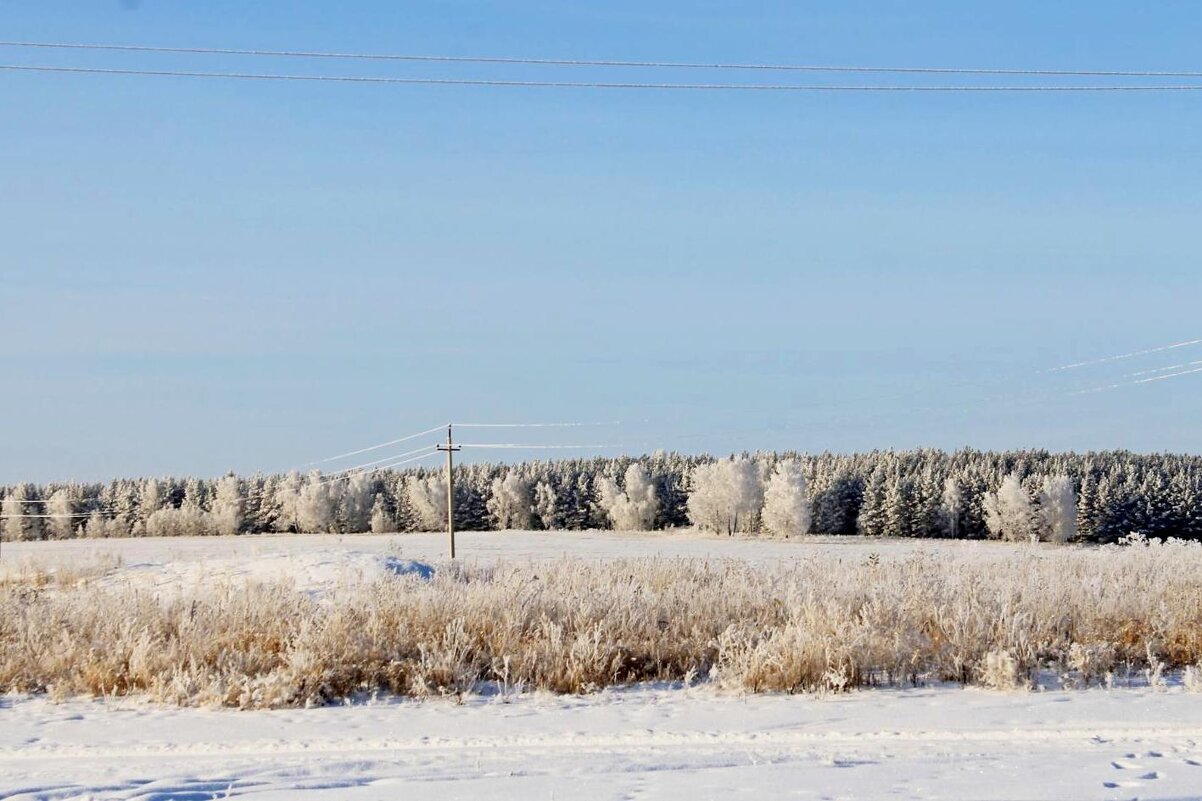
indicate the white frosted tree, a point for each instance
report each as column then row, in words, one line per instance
column 951, row 506
column 16, row 509
column 510, row 501
column 61, row 506
column 96, row 526
column 354, row 500
column 1008, row 511
column 726, row 496
column 285, row 502
column 314, row 506
column 227, row 509
column 150, row 499
column 546, row 506
column 381, row 519
column 786, row 505
column 633, row 508
column 428, row 500
column 1058, row 509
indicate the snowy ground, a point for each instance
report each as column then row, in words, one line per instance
column 661, row 742
column 252, row 554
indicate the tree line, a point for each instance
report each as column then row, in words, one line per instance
column 966, row 494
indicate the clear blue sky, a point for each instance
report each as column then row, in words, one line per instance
column 206, row 275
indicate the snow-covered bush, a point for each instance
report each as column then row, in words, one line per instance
column 999, row 671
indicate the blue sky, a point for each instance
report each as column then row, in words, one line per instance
column 199, row 276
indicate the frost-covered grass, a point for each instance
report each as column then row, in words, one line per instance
column 825, row 623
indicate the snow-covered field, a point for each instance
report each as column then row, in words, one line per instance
column 644, row 742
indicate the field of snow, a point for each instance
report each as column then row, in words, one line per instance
column 623, row 743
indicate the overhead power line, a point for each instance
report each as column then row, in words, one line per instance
column 1166, row 369
column 1122, row 356
column 376, row 447
column 1140, row 381
column 431, row 451
column 536, row 425
column 566, row 62
column 353, row 468
column 722, row 87
column 534, row 447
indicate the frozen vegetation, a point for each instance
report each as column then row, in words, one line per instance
column 825, row 620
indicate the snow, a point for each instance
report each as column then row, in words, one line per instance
column 267, row 555
column 691, row 744
column 664, row 742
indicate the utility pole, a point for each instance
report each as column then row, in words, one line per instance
column 450, row 448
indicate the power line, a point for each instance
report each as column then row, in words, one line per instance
column 536, row 425
column 374, row 447
column 1166, row 369
column 563, row 62
column 384, row 466
column 327, row 479
column 534, row 447
column 1122, row 356
column 1140, row 381
column 379, row 461
column 722, row 87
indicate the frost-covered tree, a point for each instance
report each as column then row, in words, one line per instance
column 96, row 526
column 1058, row 509
column 428, row 499
column 353, row 499
column 836, row 500
column 546, row 506
column 286, row 502
column 381, row 518
column 226, row 512
column 786, row 505
column 951, row 507
column 151, row 498
column 899, row 507
column 726, row 496
column 16, row 509
column 871, row 521
column 62, row 508
column 314, row 506
column 1008, row 511
column 510, row 502
column 634, row 507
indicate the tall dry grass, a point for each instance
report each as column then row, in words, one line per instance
column 820, row 624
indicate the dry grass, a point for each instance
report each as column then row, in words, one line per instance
column 570, row 626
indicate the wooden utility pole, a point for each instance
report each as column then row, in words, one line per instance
column 450, row 448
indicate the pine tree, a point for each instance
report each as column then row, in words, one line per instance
column 899, row 511
column 873, row 521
